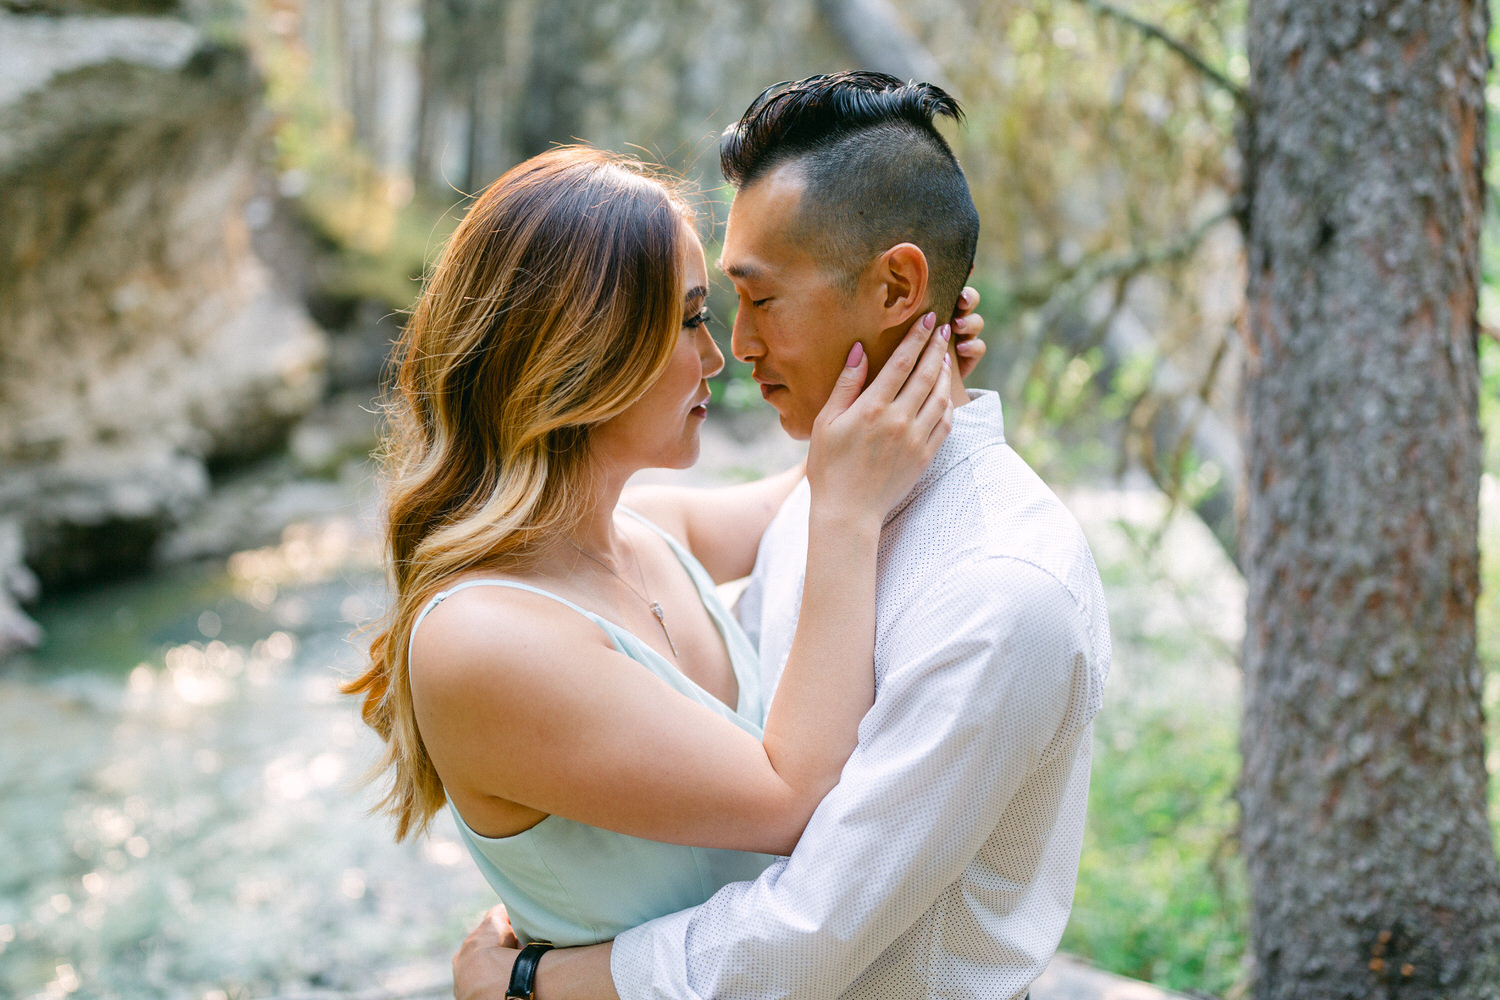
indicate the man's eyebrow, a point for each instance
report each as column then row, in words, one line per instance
column 699, row 292
column 745, row 272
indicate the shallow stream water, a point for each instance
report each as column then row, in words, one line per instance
column 183, row 808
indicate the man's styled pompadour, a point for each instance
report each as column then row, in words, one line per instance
column 876, row 172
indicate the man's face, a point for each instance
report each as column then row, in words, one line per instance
column 795, row 323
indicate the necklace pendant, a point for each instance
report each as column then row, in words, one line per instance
column 661, row 619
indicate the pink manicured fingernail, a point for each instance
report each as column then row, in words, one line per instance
column 928, row 321
column 855, row 353
column 945, row 331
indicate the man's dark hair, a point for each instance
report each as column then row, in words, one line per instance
column 875, row 171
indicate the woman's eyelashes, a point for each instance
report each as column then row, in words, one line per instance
column 698, row 319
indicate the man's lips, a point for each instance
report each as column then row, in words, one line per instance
column 767, row 387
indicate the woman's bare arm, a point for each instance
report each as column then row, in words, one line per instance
column 722, row 527
column 519, row 699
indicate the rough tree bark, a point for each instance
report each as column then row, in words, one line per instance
column 1372, row 866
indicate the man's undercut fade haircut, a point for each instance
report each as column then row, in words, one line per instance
column 875, row 171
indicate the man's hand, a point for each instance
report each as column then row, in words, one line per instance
column 967, row 326
column 481, row 969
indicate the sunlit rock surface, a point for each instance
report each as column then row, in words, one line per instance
column 140, row 337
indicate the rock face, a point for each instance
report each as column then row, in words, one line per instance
column 141, row 340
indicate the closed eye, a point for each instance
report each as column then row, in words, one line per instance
column 698, row 319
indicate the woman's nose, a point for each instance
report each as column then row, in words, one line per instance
column 713, row 358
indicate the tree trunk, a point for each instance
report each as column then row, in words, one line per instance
column 502, row 73
column 424, row 147
column 374, row 69
column 878, row 40
column 563, row 41
column 1372, row 866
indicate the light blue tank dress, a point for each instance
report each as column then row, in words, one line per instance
column 574, row 884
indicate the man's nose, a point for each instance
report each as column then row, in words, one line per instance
column 743, row 343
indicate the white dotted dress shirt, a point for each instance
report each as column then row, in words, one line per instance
column 943, row 863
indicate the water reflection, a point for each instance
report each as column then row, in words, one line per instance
column 183, row 816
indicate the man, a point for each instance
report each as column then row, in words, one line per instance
column 944, row 862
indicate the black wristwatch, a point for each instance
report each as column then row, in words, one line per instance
column 523, row 973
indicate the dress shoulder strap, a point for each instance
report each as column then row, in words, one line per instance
column 690, row 562
column 443, row 595
column 637, row 516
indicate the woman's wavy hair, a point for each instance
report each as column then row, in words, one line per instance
column 554, row 306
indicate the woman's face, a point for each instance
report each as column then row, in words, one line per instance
column 660, row 430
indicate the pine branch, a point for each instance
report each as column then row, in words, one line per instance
column 1072, row 283
column 1156, row 33
column 1171, row 416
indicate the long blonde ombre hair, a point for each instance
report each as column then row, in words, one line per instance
column 554, row 306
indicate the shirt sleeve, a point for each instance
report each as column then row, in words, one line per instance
column 986, row 672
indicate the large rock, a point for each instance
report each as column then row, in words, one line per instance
column 141, row 340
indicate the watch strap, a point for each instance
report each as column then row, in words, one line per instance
column 523, row 973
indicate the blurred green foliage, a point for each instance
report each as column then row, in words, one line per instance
column 375, row 232
column 1489, row 606
column 1161, row 887
column 1489, row 422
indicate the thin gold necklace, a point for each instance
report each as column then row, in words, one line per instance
column 656, row 608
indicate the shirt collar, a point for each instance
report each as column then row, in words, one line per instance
column 976, row 425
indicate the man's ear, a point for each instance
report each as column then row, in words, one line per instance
column 901, row 274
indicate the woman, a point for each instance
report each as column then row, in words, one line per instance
column 575, row 689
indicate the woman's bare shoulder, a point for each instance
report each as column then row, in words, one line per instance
column 488, row 633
